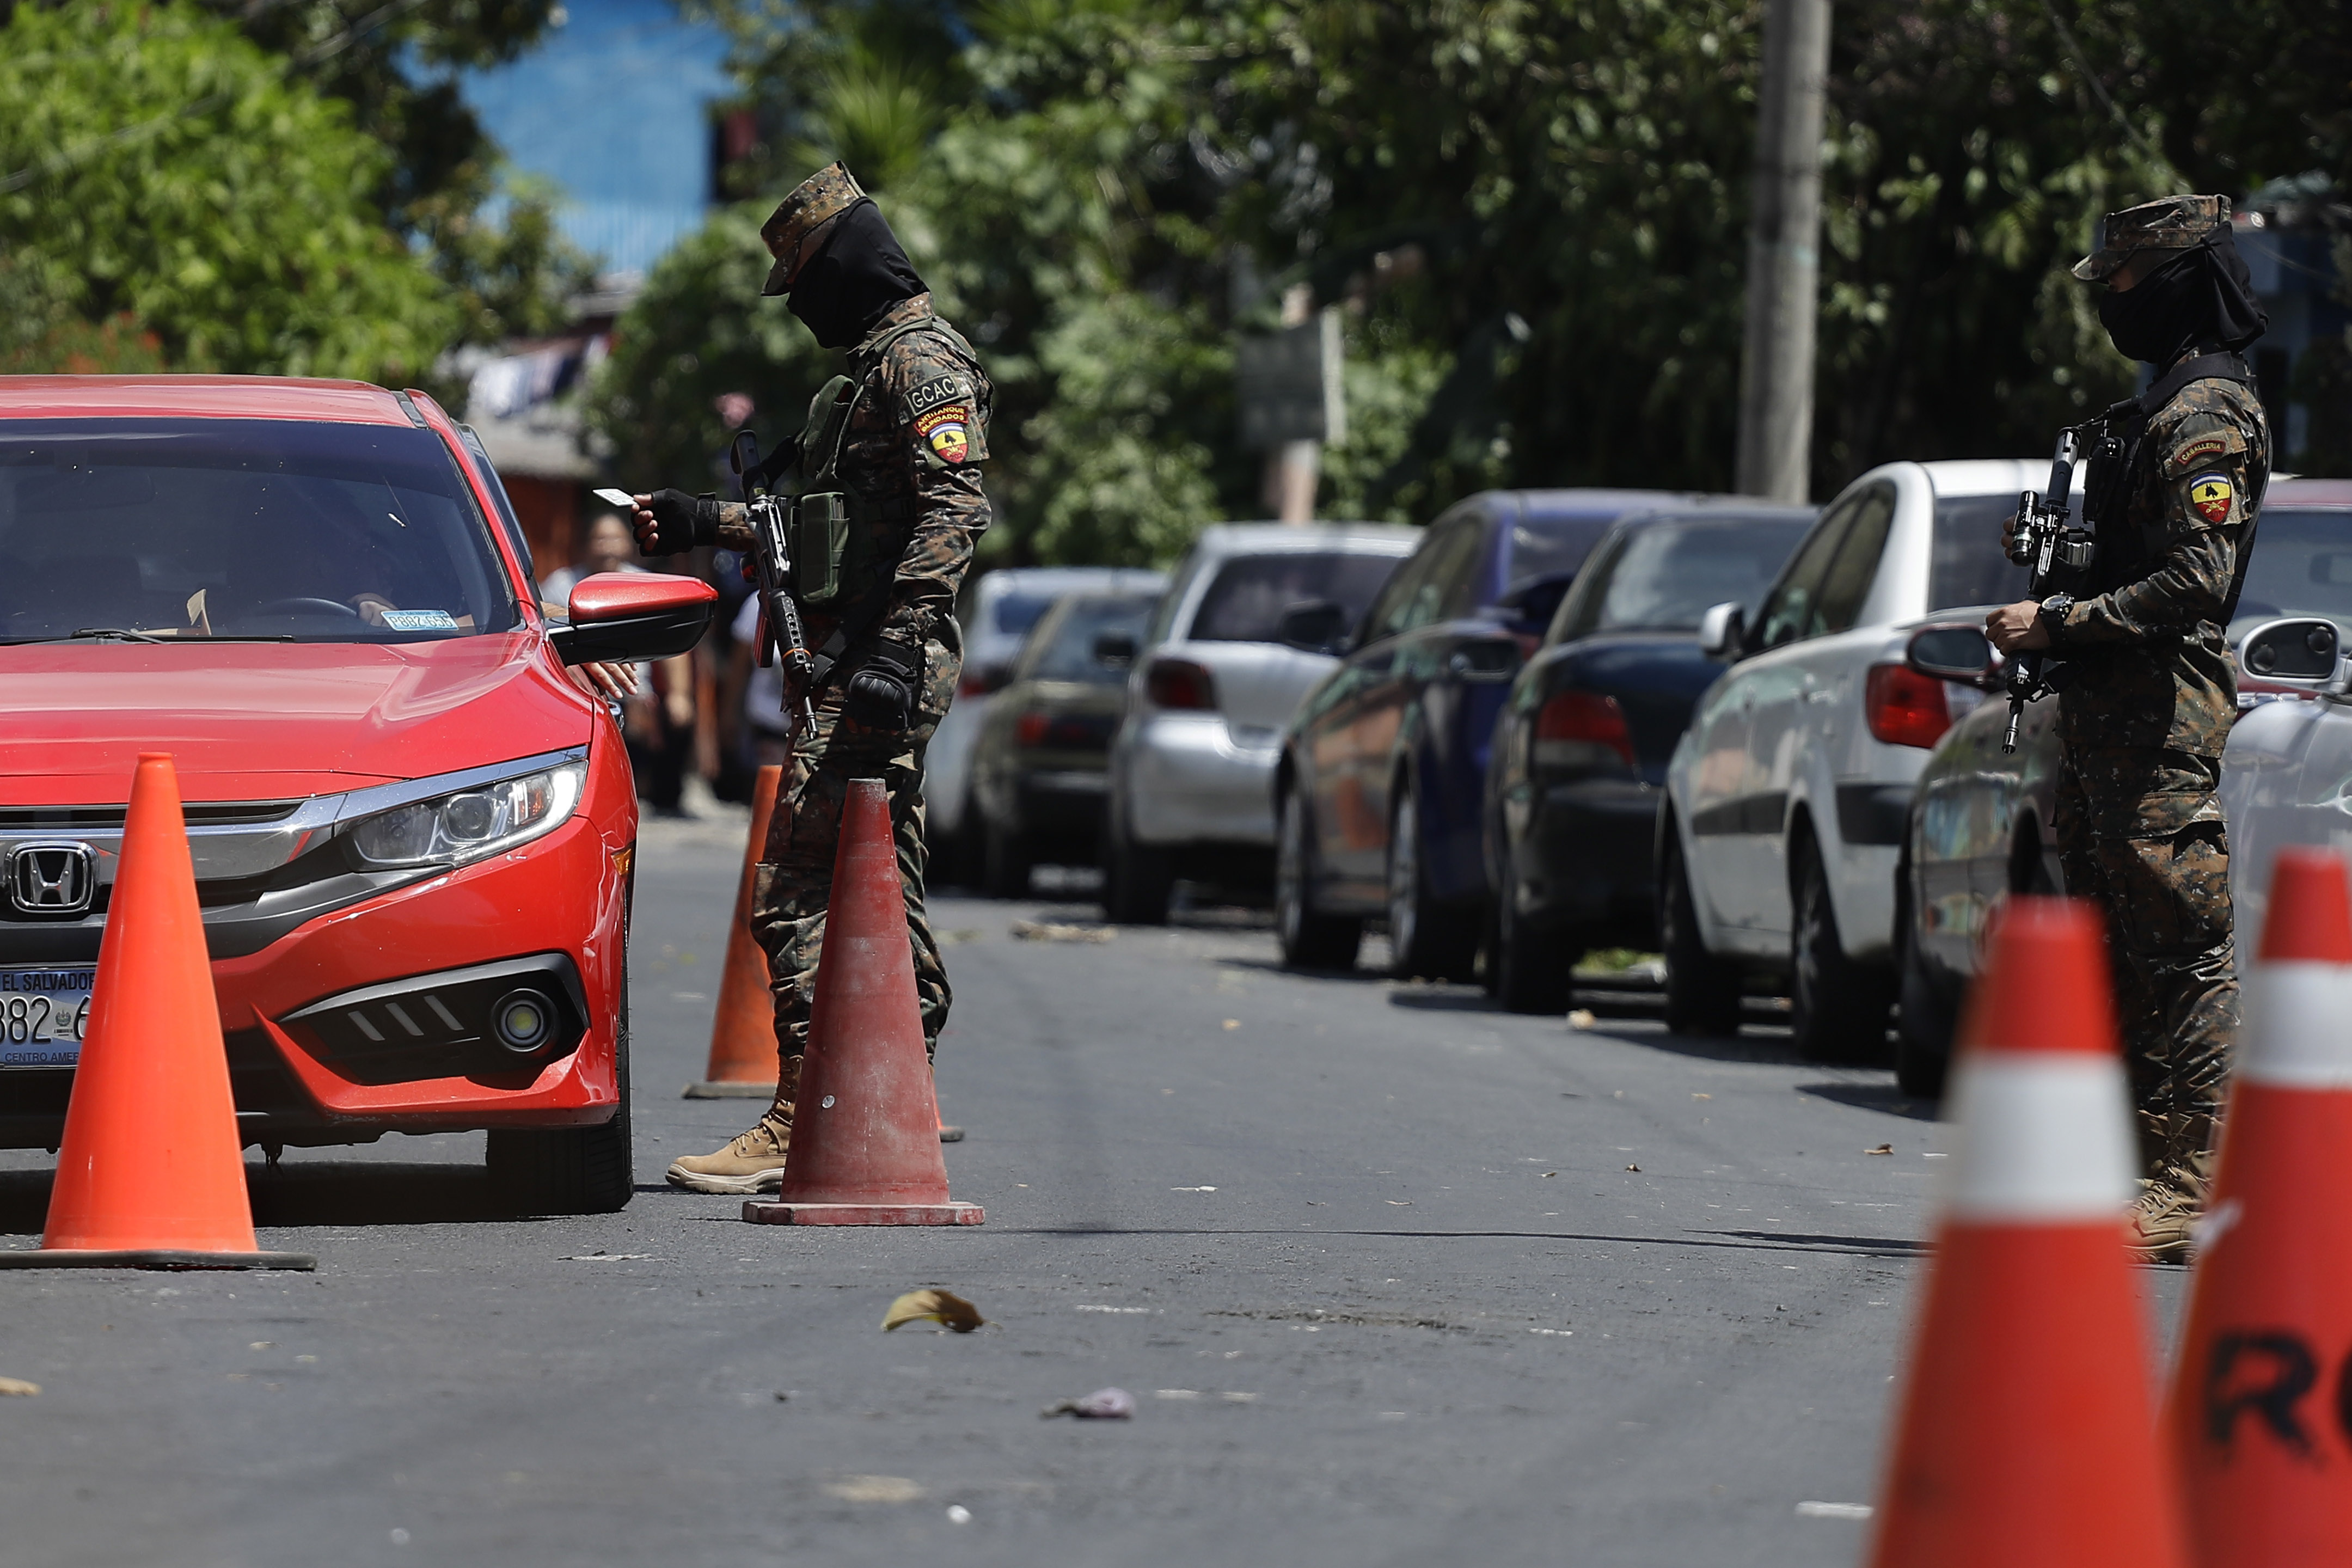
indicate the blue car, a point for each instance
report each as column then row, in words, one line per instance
column 1581, row 749
column 1379, row 793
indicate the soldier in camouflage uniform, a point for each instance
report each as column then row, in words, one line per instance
column 907, row 457
column 2174, row 491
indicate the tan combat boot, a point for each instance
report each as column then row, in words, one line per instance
column 2164, row 1220
column 752, row 1162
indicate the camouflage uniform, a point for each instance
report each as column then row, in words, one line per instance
column 2143, row 722
column 912, row 459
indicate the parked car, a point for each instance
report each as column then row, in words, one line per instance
column 412, row 831
column 1579, row 752
column 1382, row 778
column 1213, row 686
column 1786, row 799
column 1037, row 773
column 1980, row 822
column 995, row 614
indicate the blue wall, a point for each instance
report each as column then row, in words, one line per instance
column 613, row 106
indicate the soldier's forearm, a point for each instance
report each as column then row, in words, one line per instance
column 932, row 572
column 2192, row 586
column 734, row 525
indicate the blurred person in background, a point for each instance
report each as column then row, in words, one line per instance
column 657, row 710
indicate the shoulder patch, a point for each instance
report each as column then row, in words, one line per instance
column 946, row 430
column 2210, row 495
column 932, row 394
column 2202, row 439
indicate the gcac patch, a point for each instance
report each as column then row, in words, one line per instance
column 947, row 430
column 2211, row 494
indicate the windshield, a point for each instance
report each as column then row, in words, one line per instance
column 1017, row 612
column 1663, row 576
column 1541, row 545
column 2302, row 566
column 1968, row 567
column 300, row 531
column 1246, row 601
column 1068, row 650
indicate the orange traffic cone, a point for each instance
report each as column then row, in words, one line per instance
column 2028, row 1438
column 152, row 1172
column 866, row 1145
column 743, row 1032
column 2261, row 1413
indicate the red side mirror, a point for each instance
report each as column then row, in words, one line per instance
column 633, row 616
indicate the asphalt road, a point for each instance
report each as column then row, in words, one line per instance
column 1395, row 1280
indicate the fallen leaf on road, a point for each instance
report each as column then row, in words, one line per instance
column 1102, row 1405
column 1702, row 1097
column 1049, row 930
column 1882, row 1149
column 1582, row 1018
column 1633, row 1167
column 1548, row 1174
column 942, row 1306
column 1233, row 1023
column 18, row 1385
column 874, row 1488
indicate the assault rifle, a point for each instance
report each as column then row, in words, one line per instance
column 780, row 638
column 2047, row 542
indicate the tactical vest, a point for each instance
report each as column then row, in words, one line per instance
column 2129, row 551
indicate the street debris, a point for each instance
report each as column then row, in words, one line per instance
column 18, row 1386
column 1175, row 1393
column 942, row 1306
column 1882, row 1149
column 1398, row 1203
column 959, row 1514
column 874, row 1488
column 1633, row 1167
column 1582, row 1018
column 1191, row 1189
column 1834, row 1511
column 1088, row 1306
column 1233, row 1023
column 1052, row 931
column 1102, row 1405
column 603, row 1257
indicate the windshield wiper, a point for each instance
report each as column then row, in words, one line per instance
column 121, row 634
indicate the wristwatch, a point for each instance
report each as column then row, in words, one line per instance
column 2054, row 610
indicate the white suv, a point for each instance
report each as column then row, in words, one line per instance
column 1786, row 797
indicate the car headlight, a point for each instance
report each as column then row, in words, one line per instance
column 469, row 824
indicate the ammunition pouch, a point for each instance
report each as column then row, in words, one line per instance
column 821, row 543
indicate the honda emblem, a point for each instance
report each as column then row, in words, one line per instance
column 52, row 879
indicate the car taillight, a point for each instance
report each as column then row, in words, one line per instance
column 1029, row 729
column 1574, row 727
column 1180, row 683
column 1905, row 708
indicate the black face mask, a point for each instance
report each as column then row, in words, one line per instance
column 861, row 272
column 2202, row 298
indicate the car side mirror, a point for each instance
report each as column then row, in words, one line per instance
column 1318, row 625
column 628, row 615
column 1953, row 652
column 1722, row 630
column 1115, row 650
column 2300, row 650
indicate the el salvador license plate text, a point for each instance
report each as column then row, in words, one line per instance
column 43, row 1012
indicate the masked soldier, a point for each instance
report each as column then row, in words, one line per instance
column 2174, row 488
column 890, row 465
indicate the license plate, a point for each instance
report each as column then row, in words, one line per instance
column 43, row 1012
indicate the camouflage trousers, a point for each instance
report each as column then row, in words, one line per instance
column 2141, row 834
column 793, row 883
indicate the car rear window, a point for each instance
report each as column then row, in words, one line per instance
column 193, row 528
column 2301, row 565
column 1543, row 545
column 1245, row 600
column 1663, row 576
column 1968, row 567
column 1067, row 652
column 1016, row 612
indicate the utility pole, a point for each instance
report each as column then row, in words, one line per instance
column 1776, row 370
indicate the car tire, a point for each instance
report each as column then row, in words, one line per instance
column 1533, row 964
column 571, row 1169
column 1923, row 1024
column 1139, row 880
column 1005, row 862
column 1702, row 991
column 1428, row 939
column 1837, row 1007
column 1309, row 940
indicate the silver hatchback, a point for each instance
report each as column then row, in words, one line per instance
column 1213, row 685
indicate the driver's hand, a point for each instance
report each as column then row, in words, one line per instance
column 2015, row 627
column 614, row 682
column 372, row 608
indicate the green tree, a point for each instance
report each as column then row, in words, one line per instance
column 170, row 171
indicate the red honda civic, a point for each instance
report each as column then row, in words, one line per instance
column 412, row 832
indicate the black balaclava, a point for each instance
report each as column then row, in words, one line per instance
column 2200, row 299
column 844, row 288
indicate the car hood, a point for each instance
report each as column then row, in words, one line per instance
column 275, row 721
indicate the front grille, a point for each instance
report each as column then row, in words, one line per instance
column 17, row 819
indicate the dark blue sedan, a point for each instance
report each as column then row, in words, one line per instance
column 1378, row 796
column 1582, row 745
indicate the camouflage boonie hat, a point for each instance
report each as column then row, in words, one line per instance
column 2172, row 223
column 825, row 194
